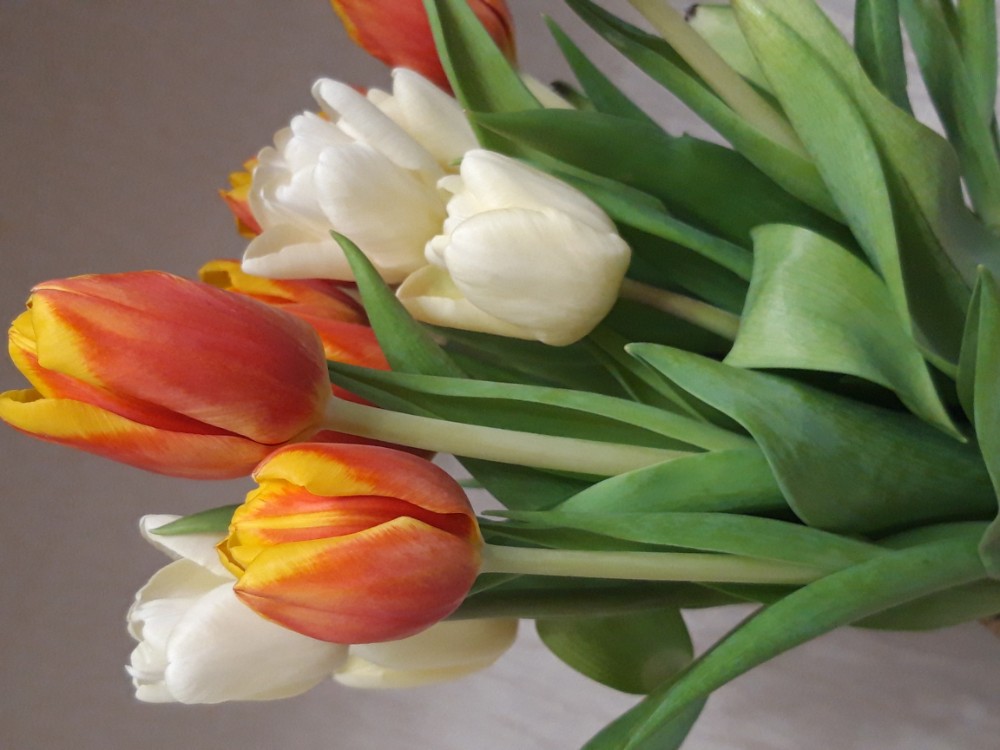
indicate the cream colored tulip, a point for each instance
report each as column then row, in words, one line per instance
column 446, row 651
column 368, row 169
column 521, row 254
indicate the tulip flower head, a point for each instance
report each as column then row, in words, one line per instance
column 398, row 33
column 522, row 254
column 353, row 543
column 368, row 169
column 163, row 373
column 236, row 198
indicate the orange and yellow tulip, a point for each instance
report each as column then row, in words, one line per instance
column 352, row 543
column 237, row 198
column 398, row 33
column 163, row 373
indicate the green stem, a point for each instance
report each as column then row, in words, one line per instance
column 492, row 443
column 692, row 567
column 692, row 310
column 725, row 81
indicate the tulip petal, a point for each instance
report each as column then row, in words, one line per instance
column 377, row 585
column 285, row 251
column 104, row 433
column 447, row 645
column 358, row 673
column 198, row 548
column 222, row 651
column 365, row 122
column 350, row 470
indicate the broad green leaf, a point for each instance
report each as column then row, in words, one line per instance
column 407, row 344
column 668, row 735
column 979, row 382
column 813, row 305
column 733, row 481
column 212, row 521
column 717, row 25
column 633, row 653
column 842, row 465
column 481, row 77
column 786, row 164
column 966, row 118
column 977, row 27
column 746, row 536
column 941, row 241
column 945, row 609
column 600, row 91
column 536, row 409
column 701, row 183
column 841, row 598
column 878, row 41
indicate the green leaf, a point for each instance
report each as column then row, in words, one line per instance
column 941, row 242
column 813, row 305
column 602, row 93
column 481, row 77
column 732, row 481
column 977, row 26
column 536, row 409
column 979, row 384
column 746, row 536
column 842, row 465
column 966, row 117
column 632, row 653
column 878, row 41
column 838, row 599
column 789, row 167
column 717, row 25
column 213, row 521
column 668, row 735
column 701, row 183
column 406, row 344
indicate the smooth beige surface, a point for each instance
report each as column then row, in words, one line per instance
column 118, row 122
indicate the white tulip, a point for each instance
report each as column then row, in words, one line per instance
column 368, row 172
column 446, row 651
column 521, row 254
column 199, row 644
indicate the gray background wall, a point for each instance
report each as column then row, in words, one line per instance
column 118, row 122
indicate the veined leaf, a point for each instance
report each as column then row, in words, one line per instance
column 734, row 481
column 813, row 305
column 878, row 41
column 633, row 652
column 838, row 599
column 789, row 167
column 842, row 465
column 979, row 388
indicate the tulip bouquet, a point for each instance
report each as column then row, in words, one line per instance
column 689, row 374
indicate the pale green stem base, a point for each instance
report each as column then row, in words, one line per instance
column 491, row 443
column 693, row 567
column 692, row 310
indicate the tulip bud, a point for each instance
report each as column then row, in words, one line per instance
column 398, row 33
column 368, row 170
column 163, row 373
column 522, row 255
column 353, row 543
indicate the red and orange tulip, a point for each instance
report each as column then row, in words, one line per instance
column 353, row 543
column 398, row 33
column 237, row 198
column 163, row 373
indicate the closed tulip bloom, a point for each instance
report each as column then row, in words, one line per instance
column 339, row 320
column 199, row 644
column 445, row 651
column 368, row 169
column 398, row 33
column 521, row 254
column 163, row 373
column 352, row 543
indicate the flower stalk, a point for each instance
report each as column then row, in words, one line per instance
column 692, row 567
column 694, row 311
column 492, row 443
